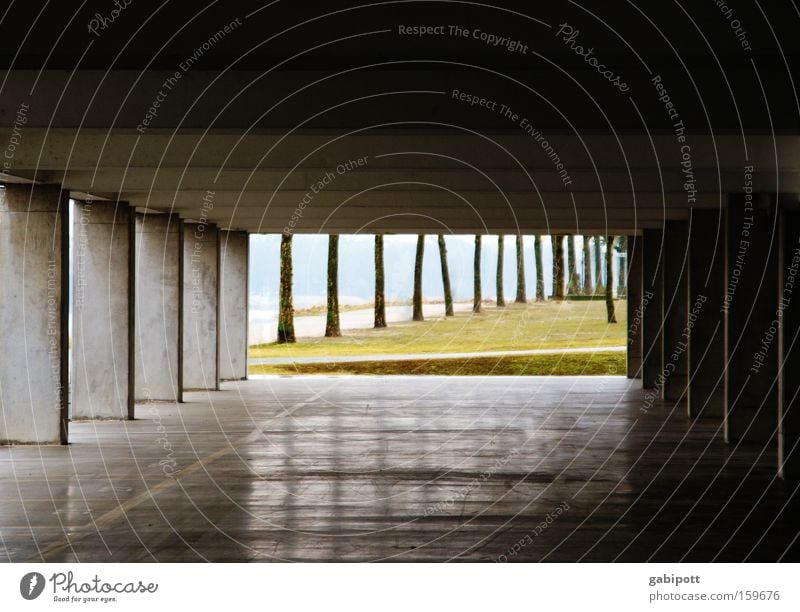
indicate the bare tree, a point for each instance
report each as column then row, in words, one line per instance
column 332, row 328
column 417, row 301
column 380, row 300
column 598, row 270
column 558, row 266
column 622, row 249
column 501, row 300
column 285, row 306
column 612, row 318
column 574, row 279
column 521, row 293
column 537, row 249
column 588, row 288
column 476, row 298
column 448, row 295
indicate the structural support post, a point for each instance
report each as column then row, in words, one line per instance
column 652, row 308
column 233, row 284
column 34, row 276
column 102, row 334
column 789, row 342
column 706, row 355
column 634, row 284
column 159, row 299
column 200, row 306
column 751, row 319
column 676, row 311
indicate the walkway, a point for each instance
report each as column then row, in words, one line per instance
column 425, row 356
column 398, row 468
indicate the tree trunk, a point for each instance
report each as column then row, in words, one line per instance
column 380, row 300
column 537, row 253
column 558, row 267
column 574, row 279
column 598, row 271
column 417, row 302
column 286, row 308
column 448, row 295
column 501, row 300
column 622, row 288
column 332, row 328
column 588, row 289
column 476, row 298
column 521, row 293
column 612, row 318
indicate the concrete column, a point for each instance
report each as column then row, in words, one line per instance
column 33, row 314
column 102, row 330
column 706, row 355
column 652, row 307
column 634, row 303
column 751, row 305
column 789, row 343
column 159, row 299
column 233, row 305
column 200, row 306
column 676, row 313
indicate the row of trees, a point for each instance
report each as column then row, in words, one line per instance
column 575, row 285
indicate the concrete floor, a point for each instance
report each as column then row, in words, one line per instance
column 398, row 468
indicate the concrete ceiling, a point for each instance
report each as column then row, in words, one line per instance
column 290, row 95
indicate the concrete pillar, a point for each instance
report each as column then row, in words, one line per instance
column 751, row 305
column 200, row 306
column 789, row 342
column 33, row 314
column 159, row 300
column 676, row 311
column 102, row 311
column 234, row 247
column 634, row 303
column 706, row 355
column 652, row 307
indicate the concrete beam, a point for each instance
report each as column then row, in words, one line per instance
column 102, row 304
column 159, row 299
column 200, row 306
column 706, row 354
column 751, row 319
column 234, row 258
column 652, row 308
column 33, row 316
column 634, row 304
column 676, row 310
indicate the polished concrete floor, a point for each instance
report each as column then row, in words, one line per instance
column 399, row 468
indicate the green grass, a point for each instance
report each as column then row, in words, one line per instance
column 568, row 364
column 517, row 327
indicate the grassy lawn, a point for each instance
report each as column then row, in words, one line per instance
column 612, row 362
column 517, row 327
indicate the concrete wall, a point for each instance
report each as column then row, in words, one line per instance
column 789, row 344
column 233, row 305
column 159, row 296
column 200, row 306
column 33, row 314
column 102, row 337
column 676, row 320
column 652, row 308
column 706, row 356
column 634, row 305
column 751, row 397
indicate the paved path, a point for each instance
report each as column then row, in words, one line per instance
column 418, row 356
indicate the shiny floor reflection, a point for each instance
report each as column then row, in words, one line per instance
column 399, row 468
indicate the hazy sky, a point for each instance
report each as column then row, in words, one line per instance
column 356, row 267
